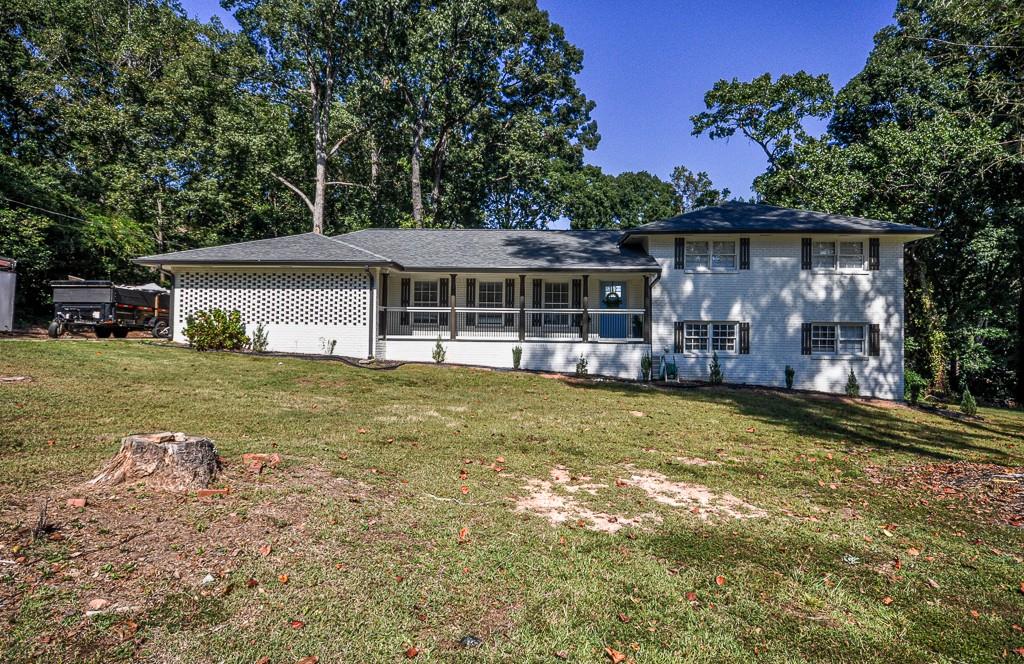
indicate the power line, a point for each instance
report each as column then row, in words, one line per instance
column 35, row 207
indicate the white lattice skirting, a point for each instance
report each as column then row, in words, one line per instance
column 301, row 310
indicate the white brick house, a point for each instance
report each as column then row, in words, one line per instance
column 762, row 287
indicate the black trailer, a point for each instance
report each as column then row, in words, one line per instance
column 108, row 308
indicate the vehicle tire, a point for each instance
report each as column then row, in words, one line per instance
column 102, row 332
column 120, row 332
column 161, row 330
column 54, row 330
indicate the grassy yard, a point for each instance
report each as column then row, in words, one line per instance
column 700, row 524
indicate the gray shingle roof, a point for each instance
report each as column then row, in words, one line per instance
column 490, row 249
column 757, row 218
column 305, row 249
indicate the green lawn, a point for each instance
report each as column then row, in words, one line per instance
column 365, row 512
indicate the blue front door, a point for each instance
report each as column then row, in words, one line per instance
column 613, row 296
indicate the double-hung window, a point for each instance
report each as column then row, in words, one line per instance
column 701, row 337
column 490, row 298
column 823, row 255
column 838, row 338
column 851, row 255
column 556, row 296
column 710, row 255
column 424, row 294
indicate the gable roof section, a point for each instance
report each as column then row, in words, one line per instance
column 305, row 249
column 503, row 250
column 757, row 218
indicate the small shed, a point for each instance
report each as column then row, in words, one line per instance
column 7, row 282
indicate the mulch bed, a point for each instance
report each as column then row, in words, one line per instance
column 993, row 492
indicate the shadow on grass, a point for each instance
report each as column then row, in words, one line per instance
column 855, row 423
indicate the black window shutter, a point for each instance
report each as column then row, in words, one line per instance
column 677, row 346
column 874, row 340
column 442, row 292
column 805, row 339
column 404, row 301
column 577, row 294
column 510, row 302
column 805, row 253
column 470, row 301
column 680, row 252
column 744, row 338
column 537, row 303
column 873, row 259
column 744, row 253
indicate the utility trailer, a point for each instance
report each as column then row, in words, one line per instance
column 108, row 308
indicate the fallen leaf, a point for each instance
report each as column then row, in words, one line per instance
column 636, row 413
column 265, row 550
column 614, row 655
column 913, row 552
column 98, row 604
column 691, row 596
column 933, row 583
column 720, row 580
column 361, row 430
column 283, row 578
column 252, row 583
column 974, row 613
column 310, row 659
column 411, row 652
column 751, row 429
column 296, row 624
column 500, row 459
column 463, row 534
column 623, row 618
column 464, row 489
column 76, row 502
column 887, row 600
column 263, row 660
column 562, row 654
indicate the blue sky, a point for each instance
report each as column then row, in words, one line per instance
column 648, row 63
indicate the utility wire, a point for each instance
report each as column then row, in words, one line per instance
column 34, row 207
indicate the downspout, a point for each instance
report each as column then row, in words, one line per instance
column 373, row 309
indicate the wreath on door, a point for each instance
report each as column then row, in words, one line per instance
column 612, row 300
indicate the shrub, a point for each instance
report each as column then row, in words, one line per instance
column 715, row 376
column 259, row 341
column 790, row 375
column 439, row 352
column 968, row 406
column 645, row 366
column 517, row 356
column 913, row 383
column 216, row 329
column 852, row 386
column 581, row 366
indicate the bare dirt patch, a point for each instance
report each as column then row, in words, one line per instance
column 695, row 461
column 545, row 500
column 697, row 499
column 993, row 492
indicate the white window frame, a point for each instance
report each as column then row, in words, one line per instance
column 862, row 263
column 425, row 317
column 837, row 337
column 556, row 320
column 838, row 255
column 815, row 254
column 700, row 338
column 715, row 250
column 490, row 319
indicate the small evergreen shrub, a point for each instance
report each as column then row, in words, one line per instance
column 645, row 366
column 581, row 366
column 216, row 329
column 914, row 383
column 439, row 352
column 852, row 386
column 259, row 341
column 517, row 356
column 715, row 376
column 968, row 406
column 790, row 375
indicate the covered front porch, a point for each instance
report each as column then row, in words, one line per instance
column 607, row 307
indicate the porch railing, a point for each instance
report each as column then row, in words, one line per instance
column 597, row 325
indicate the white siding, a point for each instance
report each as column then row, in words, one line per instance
column 302, row 309
column 603, row 359
column 775, row 296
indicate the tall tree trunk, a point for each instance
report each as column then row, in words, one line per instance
column 438, row 167
column 321, row 95
column 414, row 176
column 1019, row 392
column 374, row 162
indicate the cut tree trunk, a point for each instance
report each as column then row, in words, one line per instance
column 165, row 461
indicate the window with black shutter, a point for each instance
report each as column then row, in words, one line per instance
column 744, row 253
column 537, row 302
column 874, row 340
column 805, row 339
column 442, row 300
column 805, row 253
column 680, row 253
column 510, row 301
column 744, row 339
column 874, row 261
column 677, row 341
column 405, row 294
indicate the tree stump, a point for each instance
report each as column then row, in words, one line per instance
column 165, row 461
